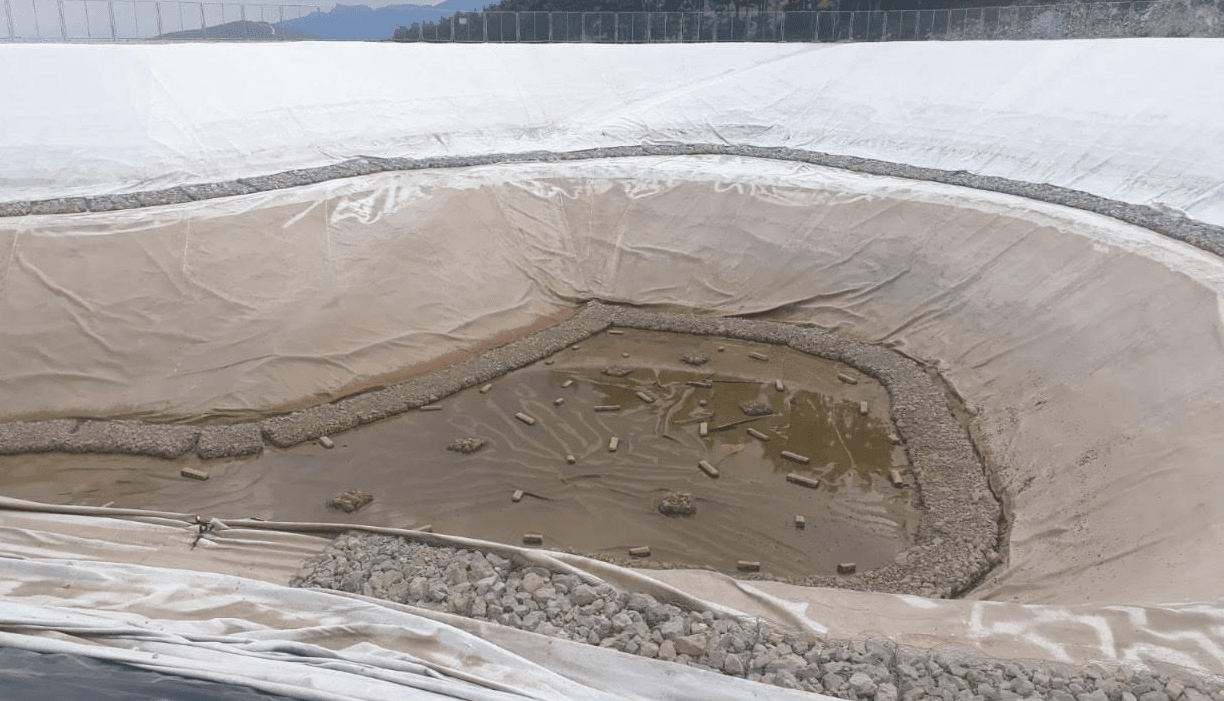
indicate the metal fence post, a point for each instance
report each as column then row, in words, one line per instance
column 615, row 27
column 203, row 22
column 242, row 14
column 111, row 7
column 8, row 16
column 157, row 8
column 63, row 25
column 484, row 17
column 782, row 27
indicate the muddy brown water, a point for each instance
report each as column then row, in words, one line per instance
column 605, row 503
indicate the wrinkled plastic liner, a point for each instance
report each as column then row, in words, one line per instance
column 1171, row 223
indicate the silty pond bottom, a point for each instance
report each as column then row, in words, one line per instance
column 759, row 404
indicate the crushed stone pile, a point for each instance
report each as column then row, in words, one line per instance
column 492, row 588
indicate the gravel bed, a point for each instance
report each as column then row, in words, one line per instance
column 1163, row 220
column 488, row 587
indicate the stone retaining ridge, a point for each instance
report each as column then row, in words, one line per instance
column 957, row 542
column 575, row 606
column 1168, row 222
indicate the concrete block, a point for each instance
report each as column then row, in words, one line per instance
column 721, row 349
column 567, row 384
column 703, row 384
column 796, row 457
column 550, row 361
column 759, row 356
column 802, row 480
column 848, row 379
column 613, row 444
column 846, row 568
column 779, row 386
column 707, row 468
column 894, row 438
column 863, row 408
column 516, row 496
column 570, row 459
column 800, row 522
column 575, row 347
column 192, row 473
column 625, row 355
column 326, row 442
column 559, row 401
column 640, row 551
column 485, row 389
column 758, row 435
column 607, row 407
column 432, row 407
column 748, row 566
column 703, row 429
column 615, row 332
column 525, row 419
column 895, row 477
column 645, row 397
column 533, row 538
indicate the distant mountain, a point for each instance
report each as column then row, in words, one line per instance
column 241, row 30
column 362, row 22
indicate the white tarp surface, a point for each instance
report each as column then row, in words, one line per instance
column 175, row 587
column 1091, row 352
column 1131, row 119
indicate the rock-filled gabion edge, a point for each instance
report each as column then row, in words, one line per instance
column 488, row 587
column 1162, row 220
column 959, row 534
column 957, row 541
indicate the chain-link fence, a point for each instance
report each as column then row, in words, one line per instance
column 135, row 20
column 115, row 20
column 1140, row 18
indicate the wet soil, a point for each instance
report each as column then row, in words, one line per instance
column 605, row 503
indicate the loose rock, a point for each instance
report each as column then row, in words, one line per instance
column 755, row 408
column 676, row 504
column 350, row 500
column 467, row 444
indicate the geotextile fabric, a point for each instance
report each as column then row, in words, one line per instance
column 1089, row 352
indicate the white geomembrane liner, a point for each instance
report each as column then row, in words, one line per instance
column 1130, row 119
column 1090, row 351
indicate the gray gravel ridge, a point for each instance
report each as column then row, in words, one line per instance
column 488, row 587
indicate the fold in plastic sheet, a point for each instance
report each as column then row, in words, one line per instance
column 116, row 578
column 310, row 644
column 128, row 118
column 313, row 644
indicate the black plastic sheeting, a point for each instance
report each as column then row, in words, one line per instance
column 27, row 676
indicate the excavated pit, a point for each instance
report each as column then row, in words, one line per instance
column 577, row 443
column 472, row 469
